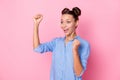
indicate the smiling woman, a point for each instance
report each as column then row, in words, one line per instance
column 70, row 53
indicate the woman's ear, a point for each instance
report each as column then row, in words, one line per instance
column 76, row 24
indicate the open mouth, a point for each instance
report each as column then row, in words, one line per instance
column 66, row 30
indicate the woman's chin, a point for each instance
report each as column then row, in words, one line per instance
column 67, row 34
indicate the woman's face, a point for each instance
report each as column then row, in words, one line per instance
column 68, row 24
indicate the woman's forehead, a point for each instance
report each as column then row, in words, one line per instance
column 66, row 17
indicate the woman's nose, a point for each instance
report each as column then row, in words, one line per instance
column 63, row 25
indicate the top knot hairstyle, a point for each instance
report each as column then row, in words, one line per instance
column 76, row 12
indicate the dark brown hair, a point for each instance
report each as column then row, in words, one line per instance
column 75, row 12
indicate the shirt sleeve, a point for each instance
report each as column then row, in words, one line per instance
column 46, row 47
column 84, row 54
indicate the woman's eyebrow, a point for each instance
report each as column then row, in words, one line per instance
column 63, row 20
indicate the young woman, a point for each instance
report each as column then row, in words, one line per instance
column 69, row 53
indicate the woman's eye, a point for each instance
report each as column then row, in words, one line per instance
column 68, row 21
column 61, row 22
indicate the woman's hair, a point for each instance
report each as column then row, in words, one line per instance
column 75, row 12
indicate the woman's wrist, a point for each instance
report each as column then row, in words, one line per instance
column 36, row 25
column 75, row 51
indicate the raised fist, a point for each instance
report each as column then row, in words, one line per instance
column 38, row 18
column 76, row 44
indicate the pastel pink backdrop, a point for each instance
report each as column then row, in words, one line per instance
column 99, row 24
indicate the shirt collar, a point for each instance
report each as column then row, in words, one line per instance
column 76, row 37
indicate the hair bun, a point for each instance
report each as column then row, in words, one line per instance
column 65, row 10
column 76, row 11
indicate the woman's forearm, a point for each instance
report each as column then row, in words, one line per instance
column 36, row 40
column 77, row 64
column 37, row 19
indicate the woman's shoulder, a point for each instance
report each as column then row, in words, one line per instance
column 58, row 38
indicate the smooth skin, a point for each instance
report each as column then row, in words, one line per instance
column 68, row 25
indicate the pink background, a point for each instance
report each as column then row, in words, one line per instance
column 99, row 24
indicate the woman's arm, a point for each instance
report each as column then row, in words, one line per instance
column 37, row 19
column 77, row 63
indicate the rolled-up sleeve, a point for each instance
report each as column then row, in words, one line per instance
column 84, row 54
column 45, row 47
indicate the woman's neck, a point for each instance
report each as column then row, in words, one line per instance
column 70, row 37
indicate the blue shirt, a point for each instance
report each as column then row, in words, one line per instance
column 62, row 57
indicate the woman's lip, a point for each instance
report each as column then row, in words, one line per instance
column 66, row 30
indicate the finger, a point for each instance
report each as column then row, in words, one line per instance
column 37, row 16
column 77, row 41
